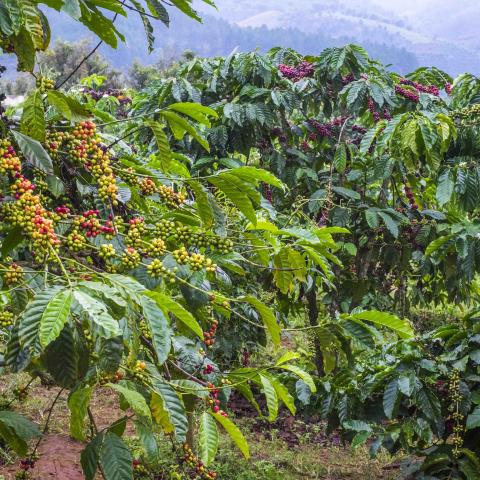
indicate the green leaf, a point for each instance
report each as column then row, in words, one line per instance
column 148, row 440
column 255, row 175
column 134, row 399
column 168, row 410
column 240, row 193
column 196, row 111
column 115, row 458
column 78, row 402
column 62, row 359
column 55, row 317
column 437, row 244
column 32, row 123
column 306, row 377
column 12, row 240
column 473, row 420
column 72, row 8
column 34, row 152
column 89, row 457
column 162, row 142
column 180, row 126
column 159, row 326
column 106, row 326
column 168, row 305
column 283, row 394
column 23, row 427
column 340, row 158
column 29, row 322
column 445, row 187
column 267, row 315
column 208, row 438
column 235, row 434
column 204, row 208
column 402, row 327
column 391, row 398
column 271, row 397
column 390, row 223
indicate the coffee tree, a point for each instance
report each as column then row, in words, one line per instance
column 391, row 159
column 117, row 260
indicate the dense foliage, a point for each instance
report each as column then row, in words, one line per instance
column 153, row 242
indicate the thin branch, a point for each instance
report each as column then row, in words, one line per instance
column 77, row 68
column 45, row 429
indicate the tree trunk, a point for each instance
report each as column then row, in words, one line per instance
column 313, row 318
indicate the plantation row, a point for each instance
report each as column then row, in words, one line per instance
column 165, row 244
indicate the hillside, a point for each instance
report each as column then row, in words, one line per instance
column 404, row 38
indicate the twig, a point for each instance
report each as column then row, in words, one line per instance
column 45, row 429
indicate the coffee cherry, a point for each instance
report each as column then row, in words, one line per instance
column 44, row 83
column 156, row 248
column 76, row 241
column 164, row 229
column 9, row 161
column 135, row 233
column 107, row 250
column 170, row 197
column 147, row 186
column 129, row 177
column 157, row 270
column 131, row 258
column 87, row 150
column 14, row 275
column 6, row 319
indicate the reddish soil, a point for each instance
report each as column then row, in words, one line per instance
column 59, row 458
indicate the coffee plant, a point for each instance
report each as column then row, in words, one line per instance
column 152, row 241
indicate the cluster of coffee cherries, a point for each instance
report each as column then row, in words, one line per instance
column 25, row 465
column 20, row 392
column 431, row 89
column 468, row 116
column 156, row 247
column 105, row 378
column 131, row 258
column 139, row 469
column 208, row 369
column 409, row 195
column 136, row 230
column 144, row 329
column 44, row 83
column 139, row 371
column 53, row 140
column 197, row 465
column 129, row 177
column 9, row 160
column 456, row 398
column 108, row 92
column 171, row 198
column 196, row 261
column 107, row 251
column 295, row 73
column 213, row 402
column 165, row 229
column 148, row 187
column 201, row 239
column 407, row 93
column 157, row 269
column 84, row 146
column 209, row 335
column 6, row 319
column 28, row 213
column 14, row 275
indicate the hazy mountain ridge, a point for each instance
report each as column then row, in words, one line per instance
column 405, row 37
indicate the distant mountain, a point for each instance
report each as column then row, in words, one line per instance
column 405, row 38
